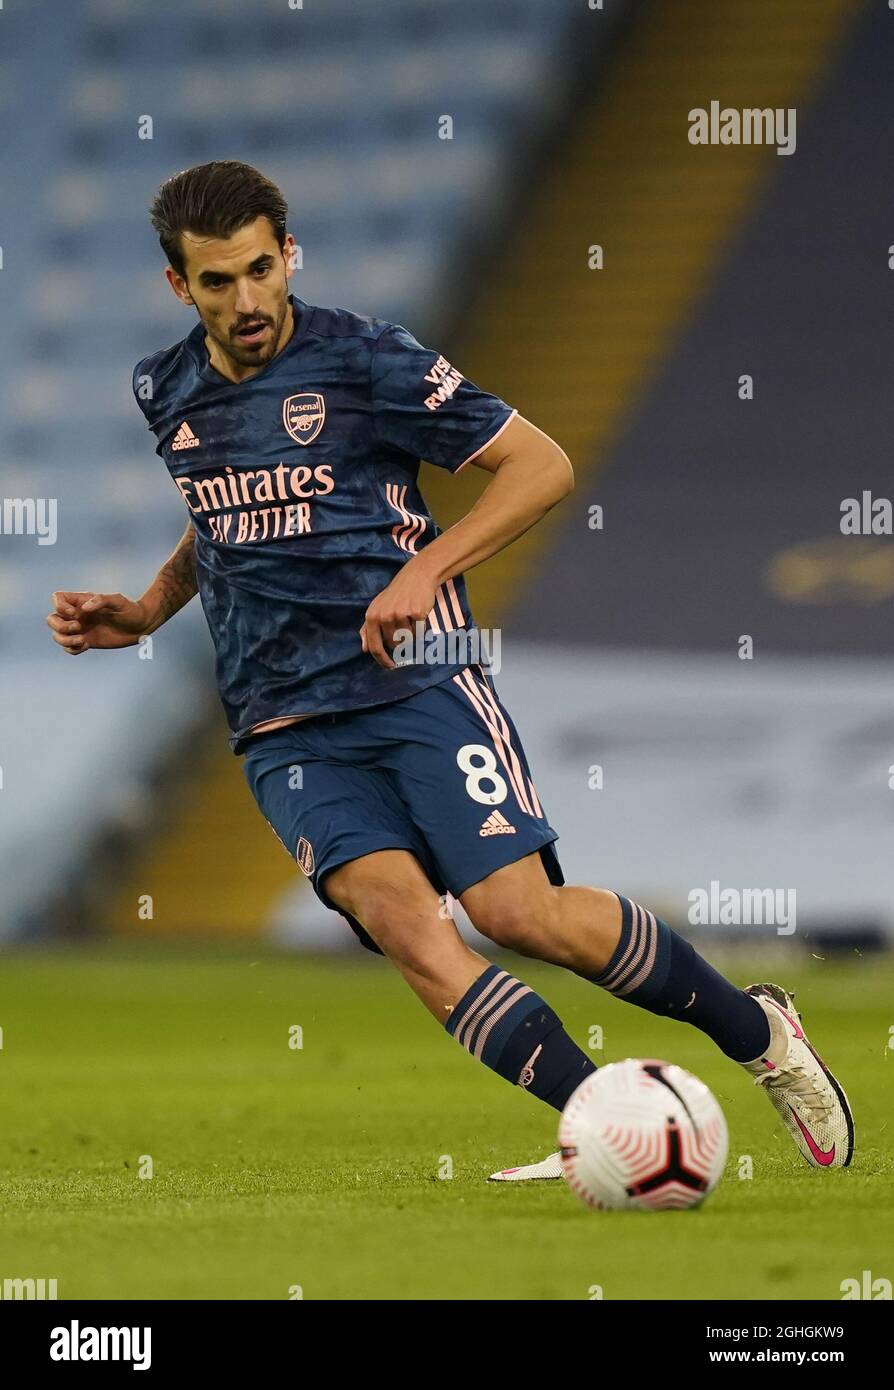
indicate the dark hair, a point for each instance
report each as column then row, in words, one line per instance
column 214, row 200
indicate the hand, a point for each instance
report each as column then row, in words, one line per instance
column 80, row 621
column 409, row 598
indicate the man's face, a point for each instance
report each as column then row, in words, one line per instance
column 239, row 285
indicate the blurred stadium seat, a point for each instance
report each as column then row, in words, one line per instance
column 340, row 104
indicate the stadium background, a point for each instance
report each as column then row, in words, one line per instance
column 619, row 645
column 721, row 516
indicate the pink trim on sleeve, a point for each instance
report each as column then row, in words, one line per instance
column 485, row 445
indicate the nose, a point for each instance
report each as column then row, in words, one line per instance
column 245, row 297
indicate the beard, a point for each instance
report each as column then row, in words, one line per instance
column 248, row 354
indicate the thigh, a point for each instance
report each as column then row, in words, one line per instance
column 374, row 884
column 327, row 812
column 461, row 770
column 389, row 892
column 517, row 888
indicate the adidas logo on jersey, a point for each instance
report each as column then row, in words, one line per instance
column 496, row 825
column 185, row 439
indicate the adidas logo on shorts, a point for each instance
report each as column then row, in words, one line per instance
column 496, row 825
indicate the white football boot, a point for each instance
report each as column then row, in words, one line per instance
column 548, row 1168
column 810, row 1102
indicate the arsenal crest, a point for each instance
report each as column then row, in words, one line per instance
column 303, row 415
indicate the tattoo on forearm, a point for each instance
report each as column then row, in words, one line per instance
column 176, row 580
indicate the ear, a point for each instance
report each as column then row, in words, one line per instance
column 290, row 255
column 178, row 285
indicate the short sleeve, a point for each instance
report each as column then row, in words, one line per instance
column 140, row 378
column 423, row 405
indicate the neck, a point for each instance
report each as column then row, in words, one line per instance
column 222, row 362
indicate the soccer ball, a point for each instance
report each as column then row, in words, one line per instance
column 642, row 1134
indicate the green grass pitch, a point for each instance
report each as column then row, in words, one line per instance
column 318, row 1167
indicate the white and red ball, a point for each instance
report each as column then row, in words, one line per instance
column 642, row 1134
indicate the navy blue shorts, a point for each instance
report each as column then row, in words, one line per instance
column 441, row 774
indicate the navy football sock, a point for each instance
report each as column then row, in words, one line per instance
column 655, row 968
column 514, row 1032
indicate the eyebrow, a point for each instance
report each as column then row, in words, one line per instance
column 208, row 275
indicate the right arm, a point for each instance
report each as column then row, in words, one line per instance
column 80, row 621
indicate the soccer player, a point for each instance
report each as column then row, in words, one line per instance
column 294, row 435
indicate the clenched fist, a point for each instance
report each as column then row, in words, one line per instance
column 80, row 621
column 408, row 599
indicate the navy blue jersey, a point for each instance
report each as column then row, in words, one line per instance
column 301, row 484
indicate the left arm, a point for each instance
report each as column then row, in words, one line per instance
column 530, row 474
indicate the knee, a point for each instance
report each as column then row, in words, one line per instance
column 518, row 923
